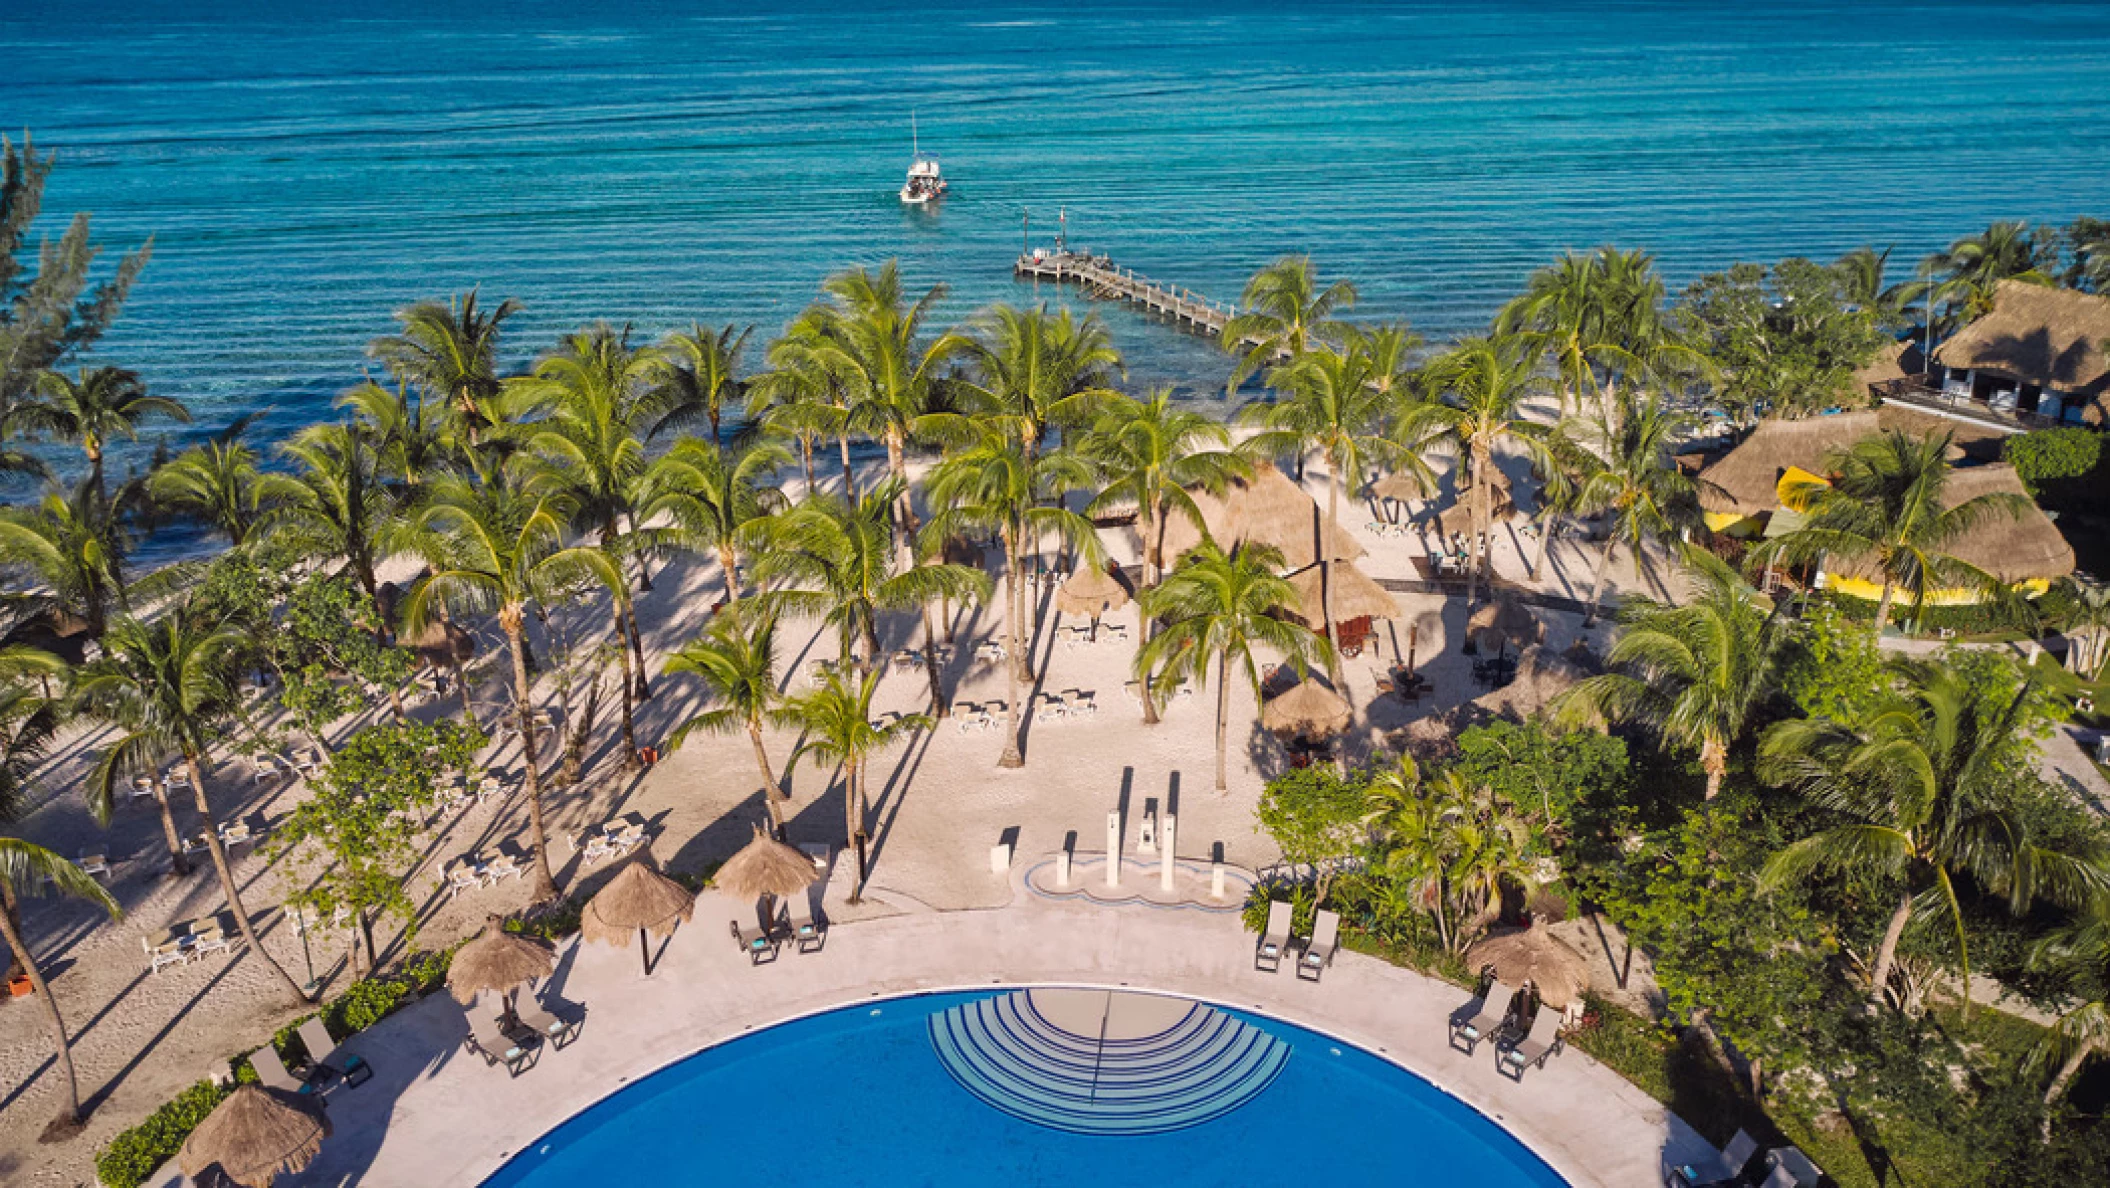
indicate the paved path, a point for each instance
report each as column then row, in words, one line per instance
column 433, row 1116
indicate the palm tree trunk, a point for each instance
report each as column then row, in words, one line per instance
column 1883, row 606
column 771, row 790
column 1223, row 701
column 939, row 707
column 1481, row 461
column 1887, row 954
column 849, row 476
column 531, row 770
column 729, row 564
column 1714, row 758
column 1325, row 554
column 62, row 1046
column 628, row 612
column 179, row 864
column 1547, row 523
column 1604, row 563
column 853, row 824
column 1012, row 756
column 631, row 762
column 806, row 455
column 2081, row 1052
column 226, row 873
column 1153, row 573
column 644, row 572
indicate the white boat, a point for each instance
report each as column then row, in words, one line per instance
column 925, row 181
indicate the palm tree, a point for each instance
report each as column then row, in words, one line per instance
column 1631, row 477
column 1598, row 319
column 450, row 350
column 598, row 390
column 2083, row 1032
column 23, row 870
column 1035, row 370
column 736, row 659
column 1454, row 844
column 716, row 499
column 1487, row 381
column 704, row 377
column 217, row 483
column 1884, row 509
column 1695, row 674
column 1216, row 608
column 74, row 545
column 410, row 438
column 831, row 560
column 335, row 506
column 1863, row 282
column 837, row 721
column 1919, row 791
column 1152, row 455
column 1974, row 266
column 802, row 393
column 94, row 409
column 2087, row 624
column 493, row 545
column 166, row 687
column 1334, row 405
column 888, row 379
column 1286, row 310
column 992, row 485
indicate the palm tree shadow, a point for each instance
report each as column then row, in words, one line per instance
column 898, row 783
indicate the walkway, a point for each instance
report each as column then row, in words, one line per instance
column 432, row 1116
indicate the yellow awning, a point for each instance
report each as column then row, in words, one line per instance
column 1794, row 486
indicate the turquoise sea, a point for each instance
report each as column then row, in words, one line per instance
column 307, row 167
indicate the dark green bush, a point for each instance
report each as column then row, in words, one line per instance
column 2047, row 458
column 133, row 1155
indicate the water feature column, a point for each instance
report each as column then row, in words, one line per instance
column 1113, row 848
column 1168, row 827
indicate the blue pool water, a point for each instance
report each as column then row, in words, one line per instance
column 857, row 1096
column 309, row 166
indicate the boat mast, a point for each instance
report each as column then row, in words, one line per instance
column 915, row 145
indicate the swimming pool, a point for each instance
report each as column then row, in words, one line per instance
column 872, row 1094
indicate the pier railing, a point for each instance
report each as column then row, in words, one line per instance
column 1102, row 278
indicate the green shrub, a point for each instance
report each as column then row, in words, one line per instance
column 2048, row 457
column 363, row 1004
column 133, row 1155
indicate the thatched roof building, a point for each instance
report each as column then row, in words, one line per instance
column 1745, row 482
column 1356, row 595
column 1091, row 592
column 1264, row 508
column 2038, row 335
column 2018, row 550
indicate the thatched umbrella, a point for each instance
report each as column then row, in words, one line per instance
column 1356, row 595
column 255, row 1135
column 498, row 960
column 1502, row 622
column 440, row 644
column 1542, row 675
column 765, row 867
column 1399, row 488
column 638, row 897
column 1263, row 508
column 1091, row 591
column 1310, row 710
column 1534, row 955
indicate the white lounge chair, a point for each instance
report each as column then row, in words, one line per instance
column 1727, row 1167
column 1267, row 955
column 1319, row 950
column 171, row 947
column 1531, row 1049
column 143, row 788
column 464, row 874
column 95, row 863
column 1489, row 1019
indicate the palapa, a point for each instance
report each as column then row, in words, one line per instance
column 498, row 960
column 1533, row 955
column 1310, row 710
column 1092, row 592
column 440, row 644
column 1354, row 595
column 256, row 1135
column 640, row 898
column 2011, row 548
column 1262, row 508
column 2041, row 335
column 1542, row 675
column 1399, row 488
column 765, row 866
column 1501, row 623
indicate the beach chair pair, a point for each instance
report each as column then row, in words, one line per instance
column 1314, row 955
column 1078, row 702
column 171, row 946
column 328, row 1063
column 464, row 873
column 1519, row 1048
column 516, row 1048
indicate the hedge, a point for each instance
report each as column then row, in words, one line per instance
column 2048, row 456
column 132, row 1156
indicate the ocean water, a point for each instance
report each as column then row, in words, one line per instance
column 307, row 167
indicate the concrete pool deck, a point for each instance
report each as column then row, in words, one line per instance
column 433, row 1114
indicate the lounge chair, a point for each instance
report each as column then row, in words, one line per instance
column 534, row 1017
column 809, row 936
column 1726, row 1168
column 497, row 1046
column 1787, row 1167
column 758, row 946
column 464, row 874
column 1530, row 1049
column 264, row 770
column 273, row 1073
column 95, row 863
column 1491, row 1017
column 1319, row 950
column 1267, row 955
column 143, row 788
column 328, row 1062
column 171, row 947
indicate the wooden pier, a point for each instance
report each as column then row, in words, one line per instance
column 1100, row 277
